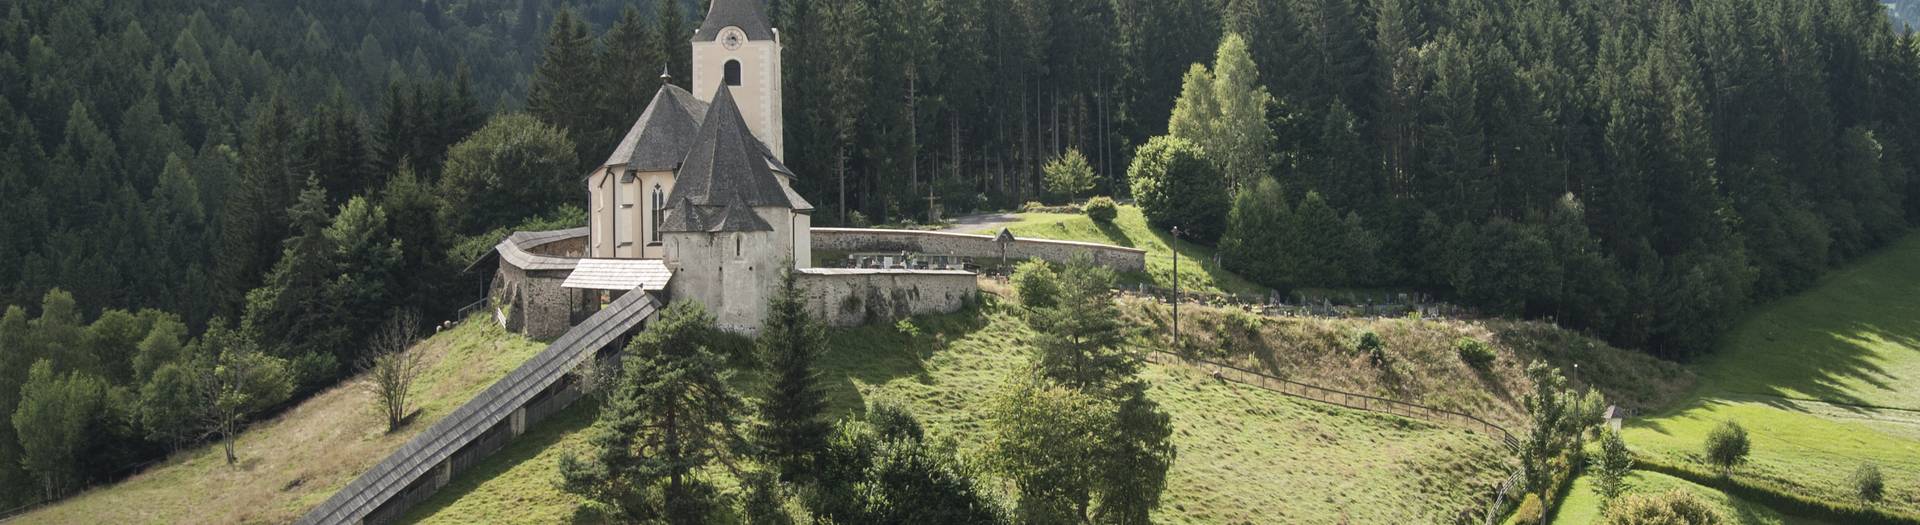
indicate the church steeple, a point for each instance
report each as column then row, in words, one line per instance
column 737, row 47
column 748, row 15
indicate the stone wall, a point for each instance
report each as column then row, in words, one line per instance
column 980, row 247
column 532, row 302
column 851, row 297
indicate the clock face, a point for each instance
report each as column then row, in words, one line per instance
column 731, row 39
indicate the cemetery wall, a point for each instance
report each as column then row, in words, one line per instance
column 853, row 297
column 980, row 247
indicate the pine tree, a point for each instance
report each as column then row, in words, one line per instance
column 672, row 414
column 254, row 220
column 794, row 430
column 630, row 67
column 676, row 41
column 564, row 90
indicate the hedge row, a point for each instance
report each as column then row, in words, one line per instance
column 1778, row 498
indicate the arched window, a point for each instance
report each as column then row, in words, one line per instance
column 659, row 213
column 733, row 72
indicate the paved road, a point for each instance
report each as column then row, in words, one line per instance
column 981, row 222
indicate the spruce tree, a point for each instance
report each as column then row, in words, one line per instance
column 793, row 432
column 672, row 414
column 676, row 41
column 564, row 90
column 254, row 217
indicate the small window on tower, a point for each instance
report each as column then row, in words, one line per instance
column 733, row 72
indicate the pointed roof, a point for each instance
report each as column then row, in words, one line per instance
column 659, row 139
column 739, row 218
column 683, row 217
column 749, row 15
column 726, row 162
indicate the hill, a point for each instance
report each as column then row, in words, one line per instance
column 294, row 461
column 1582, row 507
column 1823, row 381
column 1245, row 455
column 1199, row 272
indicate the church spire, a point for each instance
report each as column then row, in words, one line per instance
column 748, row 15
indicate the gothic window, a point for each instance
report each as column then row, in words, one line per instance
column 659, row 212
column 733, row 72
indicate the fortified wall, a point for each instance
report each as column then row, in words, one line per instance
column 852, row 297
column 979, row 247
column 527, row 293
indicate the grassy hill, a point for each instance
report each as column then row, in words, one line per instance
column 1198, row 272
column 1823, row 381
column 296, row 460
column 1245, row 455
column 1582, row 506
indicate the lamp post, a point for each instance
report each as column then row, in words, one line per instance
column 1174, row 246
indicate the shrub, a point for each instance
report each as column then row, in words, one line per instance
column 1531, row 511
column 856, row 219
column 1036, row 284
column 1102, row 210
column 1728, row 447
column 1176, row 185
column 1475, row 353
column 1676, row 507
column 1868, row 483
column 1370, row 344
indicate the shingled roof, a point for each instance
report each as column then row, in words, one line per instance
column 749, row 15
column 683, row 217
column 739, row 218
column 660, row 138
column 726, row 162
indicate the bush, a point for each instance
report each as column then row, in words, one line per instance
column 1868, row 483
column 1475, row 353
column 1176, row 185
column 1531, row 511
column 1728, row 447
column 1102, row 210
column 855, row 219
column 1676, row 507
column 1036, row 284
column 1370, row 344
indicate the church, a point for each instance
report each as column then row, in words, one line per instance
column 695, row 203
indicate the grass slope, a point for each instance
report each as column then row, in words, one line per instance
column 1582, row 506
column 1198, row 272
column 1424, row 366
column 1823, row 381
column 1245, row 455
column 298, row 459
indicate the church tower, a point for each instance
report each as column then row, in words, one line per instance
column 737, row 46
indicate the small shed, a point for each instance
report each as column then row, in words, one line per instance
column 1615, row 416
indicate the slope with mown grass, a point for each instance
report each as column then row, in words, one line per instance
column 1245, row 455
column 297, row 459
column 1198, row 271
column 1823, row 381
column 1582, row 506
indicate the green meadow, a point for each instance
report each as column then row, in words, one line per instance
column 1823, row 381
